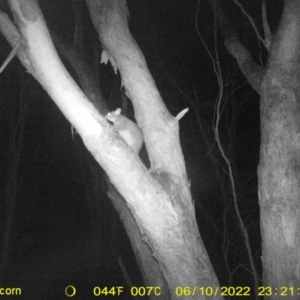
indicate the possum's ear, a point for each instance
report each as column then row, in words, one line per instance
column 118, row 111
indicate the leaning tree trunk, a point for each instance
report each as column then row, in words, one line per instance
column 159, row 199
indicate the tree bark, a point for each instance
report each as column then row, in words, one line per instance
column 279, row 166
column 159, row 199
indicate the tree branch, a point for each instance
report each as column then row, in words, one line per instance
column 287, row 38
column 267, row 30
column 252, row 71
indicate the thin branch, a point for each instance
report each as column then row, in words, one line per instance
column 267, row 31
column 231, row 177
column 218, row 113
column 251, row 21
column 10, row 56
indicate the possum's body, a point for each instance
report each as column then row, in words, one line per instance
column 128, row 130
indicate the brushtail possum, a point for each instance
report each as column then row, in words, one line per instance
column 128, row 130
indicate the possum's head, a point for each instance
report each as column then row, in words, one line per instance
column 113, row 115
column 118, row 120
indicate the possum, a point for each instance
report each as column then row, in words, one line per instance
column 128, row 130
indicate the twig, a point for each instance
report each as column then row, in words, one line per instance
column 11, row 55
column 251, row 21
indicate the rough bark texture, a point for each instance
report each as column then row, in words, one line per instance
column 279, row 179
column 159, row 199
column 279, row 167
column 166, row 219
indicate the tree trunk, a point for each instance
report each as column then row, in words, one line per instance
column 159, row 199
column 279, row 168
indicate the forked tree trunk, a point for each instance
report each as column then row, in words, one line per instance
column 158, row 199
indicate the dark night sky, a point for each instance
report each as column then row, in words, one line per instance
column 54, row 233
